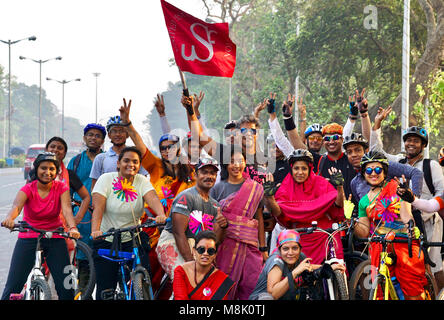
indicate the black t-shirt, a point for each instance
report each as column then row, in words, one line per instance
column 348, row 172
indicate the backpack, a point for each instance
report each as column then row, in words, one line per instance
column 427, row 174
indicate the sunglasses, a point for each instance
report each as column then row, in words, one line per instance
column 244, row 131
column 202, row 250
column 377, row 170
column 310, row 138
column 168, row 147
column 334, row 137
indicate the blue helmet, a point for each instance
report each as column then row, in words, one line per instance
column 315, row 127
column 96, row 126
column 169, row 137
column 113, row 121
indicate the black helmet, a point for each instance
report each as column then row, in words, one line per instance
column 300, row 155
column 416, row 131
column 46, row 156
column 355, row 137
column 374, row 156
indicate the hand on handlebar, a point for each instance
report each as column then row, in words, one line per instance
column 8, row 223
column 96, row 234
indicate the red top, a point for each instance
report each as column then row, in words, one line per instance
column 42, row 213
column 182, row 286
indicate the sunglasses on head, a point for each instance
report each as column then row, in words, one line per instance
column 210, row 251
column 247, row 130
column 334, row 137
column 377, row 170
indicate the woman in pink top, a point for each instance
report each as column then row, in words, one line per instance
column 41, row 201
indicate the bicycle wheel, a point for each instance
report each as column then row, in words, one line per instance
column 85, row 272
column 352, row 261
column 361, row 281
column 142, row 285
column 431, row 287
column 340, row 285
column 40, row 290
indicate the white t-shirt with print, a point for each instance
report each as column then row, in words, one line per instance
column 120, row 213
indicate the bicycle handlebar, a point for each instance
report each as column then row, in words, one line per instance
column 23, row 226
column 113, row 231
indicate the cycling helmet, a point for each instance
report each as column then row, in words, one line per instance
column 46, row 156
column 169, row 137
column 96, row 126
column 374, row 156
column 314, row 128
column 300, row 155
column 355, row 137
column 230, row 125
column 416, row 131
column 113, row 121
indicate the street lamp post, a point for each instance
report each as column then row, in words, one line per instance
column 40, row 62
column 63, row 82
column 9, row 43
column 96, row 74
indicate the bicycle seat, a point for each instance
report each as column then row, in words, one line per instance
column 121, row 254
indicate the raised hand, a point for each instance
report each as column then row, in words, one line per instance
column 381, row 116
column 361, row 101
column 125, row 111
column 287, row 106
column 271, row 103
column 197, row 101
column 269, row 185
column 160, row 105
column 261, row 106
column 336, row 177
column 403, row 190
column 349, row 206
column 301, row 108
column 354, row 110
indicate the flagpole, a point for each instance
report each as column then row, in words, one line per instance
column 184, row 84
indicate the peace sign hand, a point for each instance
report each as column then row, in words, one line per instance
column 125, row 111
column 287, row 106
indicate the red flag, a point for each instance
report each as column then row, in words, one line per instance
column 199, row 47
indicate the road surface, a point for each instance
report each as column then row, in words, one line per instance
column 11, row 180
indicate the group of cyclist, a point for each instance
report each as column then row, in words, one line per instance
column 230, row 209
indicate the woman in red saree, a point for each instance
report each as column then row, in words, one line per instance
column 304, row 197
column 382, row 211
column 200, row 279
column 240, row 200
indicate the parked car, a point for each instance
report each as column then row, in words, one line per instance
column 32, row 153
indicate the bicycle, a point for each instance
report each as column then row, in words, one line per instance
column 361, row 280
column 334, row 283
column 139, row 285
column 36, row 286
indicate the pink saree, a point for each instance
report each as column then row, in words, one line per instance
column 238, row 255
column 313, row 200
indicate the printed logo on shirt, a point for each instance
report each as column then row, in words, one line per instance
column 182, row 200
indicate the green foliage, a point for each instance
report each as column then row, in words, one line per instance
column 334, row 54
column 24, row 115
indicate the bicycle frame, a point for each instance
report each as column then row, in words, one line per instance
column 123, row 257
column 36, row 272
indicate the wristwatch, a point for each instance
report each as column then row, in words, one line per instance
column 263, row 249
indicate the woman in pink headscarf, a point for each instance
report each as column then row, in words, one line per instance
column 304, row 197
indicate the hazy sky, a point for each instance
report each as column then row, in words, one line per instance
column 125, row 41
